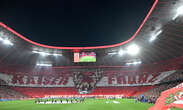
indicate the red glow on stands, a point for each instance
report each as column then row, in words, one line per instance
column 71, row 91
column 79, row 48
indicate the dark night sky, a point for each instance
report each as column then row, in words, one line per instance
column 75, row 22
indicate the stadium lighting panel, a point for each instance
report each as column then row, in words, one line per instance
column 179, row 12
column 121, row 52
column 133, row 49
column 39, row 64
column 57, row 54
column 7, row 42
column 41, row 53
column 134, row 63
column 35, row 52
column 112, row 53
column 44, row 53
column 155, row 36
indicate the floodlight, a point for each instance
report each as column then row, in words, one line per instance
column 121, row 52
column 133, row 49
column 7, row 42
column 155, row 36
column 179, row 12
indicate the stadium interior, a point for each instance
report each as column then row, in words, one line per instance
column 150, row 62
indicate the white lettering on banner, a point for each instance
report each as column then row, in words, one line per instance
column 37, row 81
column 67, row 80
column 138, row 80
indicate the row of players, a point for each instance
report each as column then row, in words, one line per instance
column 61, row 100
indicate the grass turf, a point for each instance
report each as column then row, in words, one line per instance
column 89, row 104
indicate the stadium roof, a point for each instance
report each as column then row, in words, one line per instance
column 93, row 47
column 159, row 38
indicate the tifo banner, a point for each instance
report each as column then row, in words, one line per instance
column 37, row 80
column 169, row 99
column 136, row 79
column 80, row 79
column 85, row 83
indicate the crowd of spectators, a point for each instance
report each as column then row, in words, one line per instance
column 85, row 81
column 2, row 82
column 154, row 93
column 167, row 83
column 7, row 93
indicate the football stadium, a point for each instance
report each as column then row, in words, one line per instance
column 144, row 72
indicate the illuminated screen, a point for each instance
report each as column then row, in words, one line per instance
column 85, row 57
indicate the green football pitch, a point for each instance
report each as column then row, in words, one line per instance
column 89, row 104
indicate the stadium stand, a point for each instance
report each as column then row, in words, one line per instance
column 99, row 91
column 167, row 83
column 45, row 92
column 177, row 76
column 120, row 81
column 155, row 92
column 7, row 92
